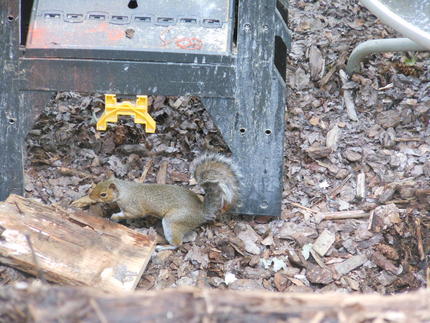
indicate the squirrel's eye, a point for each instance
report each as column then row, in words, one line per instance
column 104, row 194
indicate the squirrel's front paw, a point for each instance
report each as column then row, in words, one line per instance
column 118, row 216
column 83, row 202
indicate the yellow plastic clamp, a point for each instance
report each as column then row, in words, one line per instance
column 138, row 110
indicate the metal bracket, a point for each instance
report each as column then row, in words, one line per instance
column 138, row 110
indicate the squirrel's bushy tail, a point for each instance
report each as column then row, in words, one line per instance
column 219, row 177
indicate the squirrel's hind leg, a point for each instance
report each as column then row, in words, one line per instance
column 177, row 222
column 174, row 231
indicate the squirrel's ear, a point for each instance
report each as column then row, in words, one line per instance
column 93, row 185
column 112, row 187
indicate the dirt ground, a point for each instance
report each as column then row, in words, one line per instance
column 374, row 170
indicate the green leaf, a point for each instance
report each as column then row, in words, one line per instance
column 410, row 61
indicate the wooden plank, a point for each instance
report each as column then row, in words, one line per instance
column 51, row 304
column 71, row 248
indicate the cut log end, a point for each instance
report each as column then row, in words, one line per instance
column 71, row 248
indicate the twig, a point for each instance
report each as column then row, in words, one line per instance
column 409, row 181
column 408, row 139
column 406, row 201
column 148, row 166
column 350, row 106
column 336, row 190
column 370, row 221
column 162, row 173
column 420, row 246
column 36, row 263
column 236, row 248
column 386, row 87
column 302, row 207
column 342, row 215
column 341, row 61
column 361, row 186
column 317, row 258
column 347, row 97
